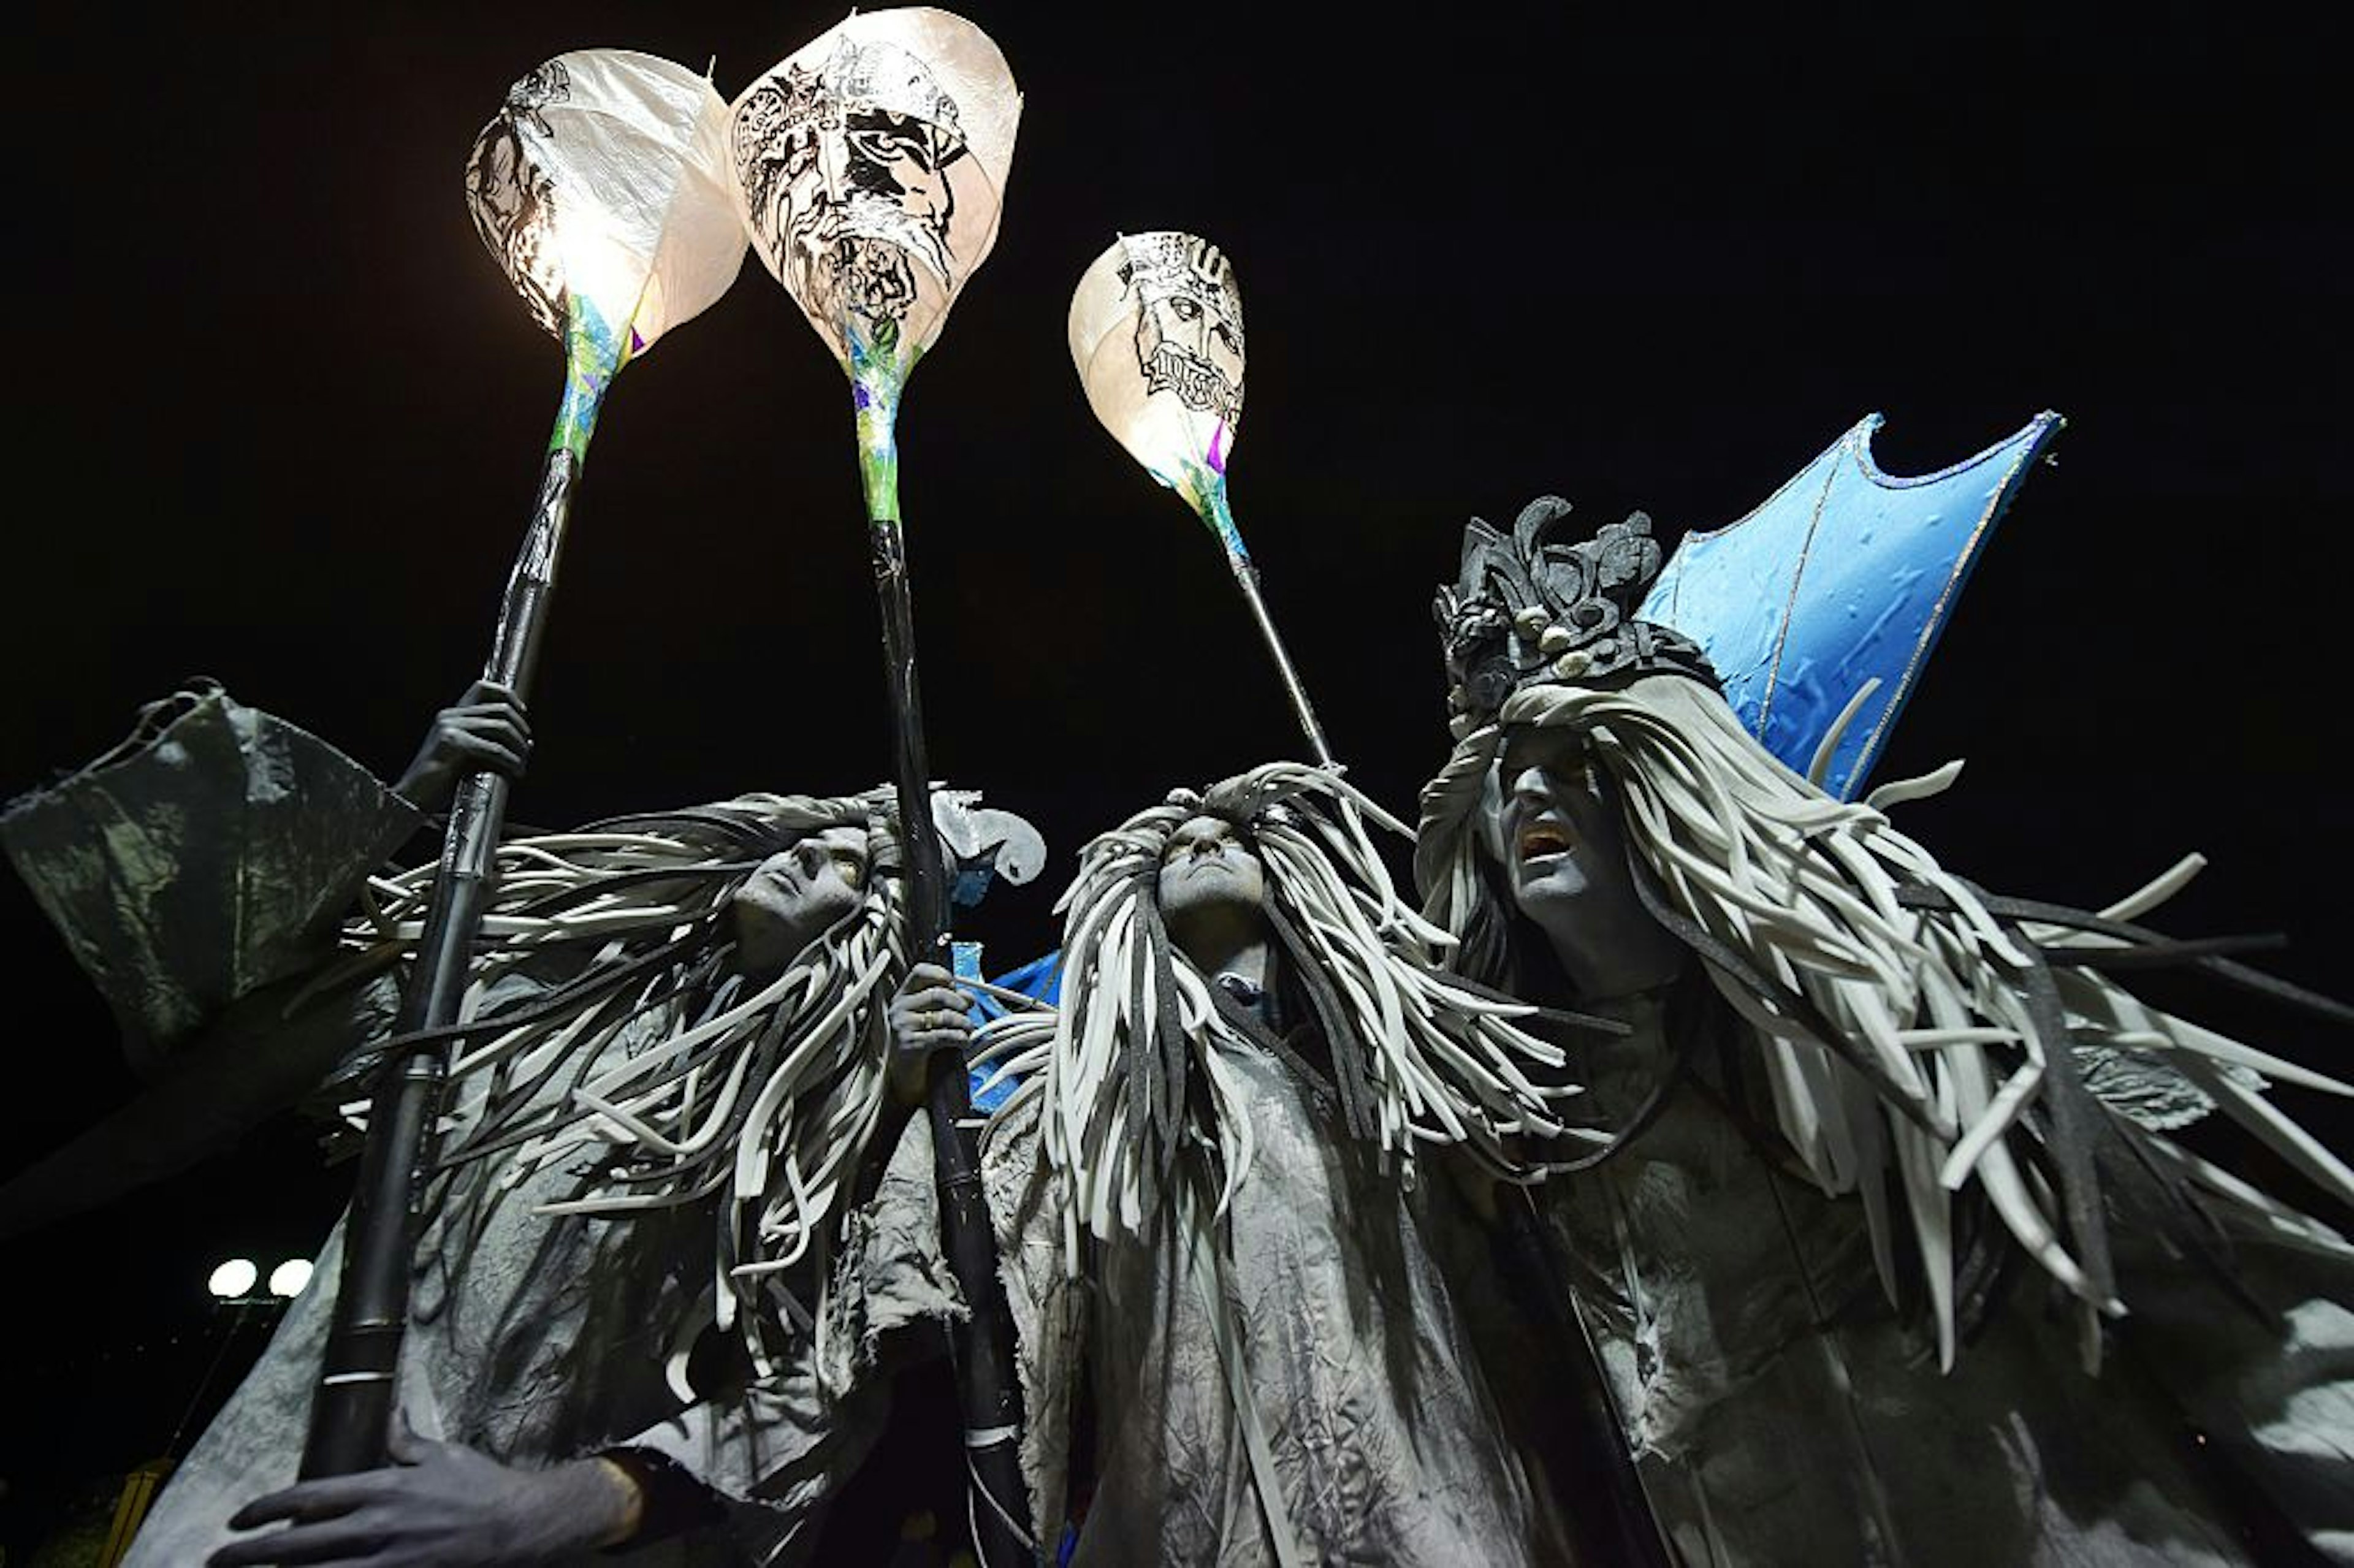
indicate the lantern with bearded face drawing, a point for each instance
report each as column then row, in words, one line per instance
column 868, row 165
column 867, row 168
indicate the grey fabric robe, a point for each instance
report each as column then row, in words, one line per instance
column 197, row 872
column 1359, row 1363
column 537, row 1338
column 1781, row 1412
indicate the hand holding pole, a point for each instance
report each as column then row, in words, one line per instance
column 609, row 276
column 869, row 167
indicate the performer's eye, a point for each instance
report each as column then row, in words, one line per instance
column 852, row 865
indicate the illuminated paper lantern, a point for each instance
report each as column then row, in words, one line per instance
column 605, row 174
column 870, row 164
column 868, row 168
column 1156, row 330
column 602, row 188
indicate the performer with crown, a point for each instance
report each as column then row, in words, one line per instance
column 1890, row 1258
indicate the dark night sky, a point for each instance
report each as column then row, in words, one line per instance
column 277, row 419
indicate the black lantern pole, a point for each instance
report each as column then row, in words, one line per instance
column 352, row 1407
column 989, row 1389
column 874, row 263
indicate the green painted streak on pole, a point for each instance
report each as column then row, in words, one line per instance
column 594, row 353
column 1204, row 490
column 878, row 373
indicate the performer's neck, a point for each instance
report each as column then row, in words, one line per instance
column 1249, row 958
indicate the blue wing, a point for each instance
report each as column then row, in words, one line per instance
column 1844, row 575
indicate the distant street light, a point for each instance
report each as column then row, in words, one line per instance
column 289, row 1278
column 233, row 1278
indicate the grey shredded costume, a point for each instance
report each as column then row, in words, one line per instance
column 198, row 872
column 1907, row 1268
column 1282, row 1354
column 1318, row 1322
column 539, row 1337
column 1780, row 1410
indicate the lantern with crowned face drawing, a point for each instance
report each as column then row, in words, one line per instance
column 1156, row 331
column 1156, row 334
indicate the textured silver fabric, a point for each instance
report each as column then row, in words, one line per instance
column 1360, row 1369
column 209, row 854
column 1781, row 1412
column 537, row 1338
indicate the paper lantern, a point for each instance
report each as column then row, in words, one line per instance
column 869, row 167
column 1156, row 330
column 603, row 178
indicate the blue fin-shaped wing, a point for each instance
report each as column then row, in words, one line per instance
column 1843, row 576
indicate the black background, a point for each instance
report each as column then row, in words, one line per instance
column 277, row 419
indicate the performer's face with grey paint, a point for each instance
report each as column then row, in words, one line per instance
column 796, row 895
column 1210, row 883
column 1564, row 858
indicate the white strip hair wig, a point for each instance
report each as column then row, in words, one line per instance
column 649, row 1053
column 1134, row 1064
column 1905, row 1023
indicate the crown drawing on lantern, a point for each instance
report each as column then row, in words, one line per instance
column 1527, row 608
column 1179, row 263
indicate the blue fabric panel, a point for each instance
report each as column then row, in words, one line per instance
column 1843, row 576
column 1040, row 978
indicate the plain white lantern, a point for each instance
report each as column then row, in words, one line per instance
column 233, row 1278
column 289, row 1278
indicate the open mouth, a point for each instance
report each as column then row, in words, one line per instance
column 1538, row 841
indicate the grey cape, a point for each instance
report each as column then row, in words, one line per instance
column 198, row 872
